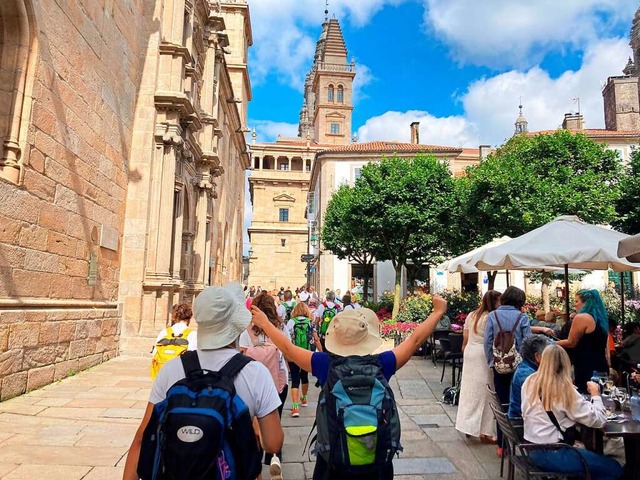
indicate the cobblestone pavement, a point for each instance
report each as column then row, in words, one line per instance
column 81, row 428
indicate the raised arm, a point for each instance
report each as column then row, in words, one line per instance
column 406, row 349
column 297, row 355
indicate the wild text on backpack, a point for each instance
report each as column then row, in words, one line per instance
column 327, row 315
column 506, row 357
column 303, row 333
column 168, row 348
column 357, row 417
column 202, row 429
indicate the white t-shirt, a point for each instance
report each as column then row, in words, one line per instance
column 246, row 342
column 253, row 384
column 320, row 310
column 177, row 329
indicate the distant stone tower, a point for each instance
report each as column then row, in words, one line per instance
column 522, row 126
column 622, row 94
column 328, row 93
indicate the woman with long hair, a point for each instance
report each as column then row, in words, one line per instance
column 254, row 336
column 474, row 416
column 551, row 407
column 303, row 334
column 588, row 338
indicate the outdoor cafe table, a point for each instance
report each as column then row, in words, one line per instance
column 629, row 431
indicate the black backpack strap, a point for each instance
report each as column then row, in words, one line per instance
column 190, row 362
column 233, row 366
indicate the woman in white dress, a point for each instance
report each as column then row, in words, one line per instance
column 474, row 414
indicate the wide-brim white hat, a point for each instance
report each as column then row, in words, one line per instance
column 353, row 332
column 221, row 315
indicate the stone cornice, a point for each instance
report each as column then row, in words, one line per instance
column 178, row 101
column 48, row 303
column 175, row 50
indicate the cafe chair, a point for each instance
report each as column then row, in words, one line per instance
column 435, row 349
column 516, row 422
column 452, row 354
column 519, row 451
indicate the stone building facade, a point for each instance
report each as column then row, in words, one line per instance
column 122, row 159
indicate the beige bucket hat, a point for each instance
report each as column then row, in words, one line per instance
column 353, row 332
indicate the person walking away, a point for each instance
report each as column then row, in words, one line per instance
column 551, row 407
column 347, row 303
column 286, row 306
column 221, row 317
column 324, row 314
column 588, row 338
column 304, row 335
column 506, row 328
column 255, row 344
column 474, row 415
column 173, row 341
column 532, row 348
column 358, row 445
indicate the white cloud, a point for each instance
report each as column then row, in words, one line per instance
column 268, row 131
column 503, row 33
column 394, row 126
column 490, row 104
column 285, row 33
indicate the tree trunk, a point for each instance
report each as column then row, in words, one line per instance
column 544, row 291
column 492, row 279
column 427, row 286
column 396, row 295
column 365, row 284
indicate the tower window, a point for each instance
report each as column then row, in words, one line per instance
column 340, row 94
column 284, row 215
column 335, row 129
column 283, row 242
column 331, row 93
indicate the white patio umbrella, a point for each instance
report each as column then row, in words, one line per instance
column 459, row 264
column 565, row 242
column 630, row 248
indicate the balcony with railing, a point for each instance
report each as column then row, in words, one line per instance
column 335, row 67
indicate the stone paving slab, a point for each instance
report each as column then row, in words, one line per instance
column 81, row 428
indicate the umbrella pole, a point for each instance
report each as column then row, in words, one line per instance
column 508, row 279
column 566, row 291
column 622, row 296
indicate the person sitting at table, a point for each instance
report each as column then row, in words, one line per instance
column 588, row 338
column 551, row 407
column 629, row 354
column 532, row 348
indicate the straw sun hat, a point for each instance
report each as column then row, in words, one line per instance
column 353, row 332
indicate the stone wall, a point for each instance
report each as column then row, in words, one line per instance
column 58, row 280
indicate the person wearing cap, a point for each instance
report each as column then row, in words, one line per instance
column 352, row 332
column 222, row 316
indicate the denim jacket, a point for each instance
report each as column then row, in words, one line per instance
column 508, row 316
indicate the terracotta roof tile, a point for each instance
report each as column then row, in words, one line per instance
column 390, row 147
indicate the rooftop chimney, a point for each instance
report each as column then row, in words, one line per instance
column 573, row 121
column 485, row 150
column 415, row 133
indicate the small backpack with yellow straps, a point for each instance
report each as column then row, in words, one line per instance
column 168, row 348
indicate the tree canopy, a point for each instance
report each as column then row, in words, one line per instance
column 531, row 180
column 628, row 206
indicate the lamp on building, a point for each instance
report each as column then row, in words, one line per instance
column 559, row 292
column 314, row 240
column 250, row 252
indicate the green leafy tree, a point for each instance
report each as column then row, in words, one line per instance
column 529, row 181
column 344, row 234
column 407, row 207
column 628, row 206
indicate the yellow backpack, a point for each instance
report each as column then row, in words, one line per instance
column 168, row 348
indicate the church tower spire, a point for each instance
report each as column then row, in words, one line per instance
column 328, row 98
column 522, row 126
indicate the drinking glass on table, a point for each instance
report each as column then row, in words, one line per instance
column 608, row 386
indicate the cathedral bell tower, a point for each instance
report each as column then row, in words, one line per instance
column 328, row 96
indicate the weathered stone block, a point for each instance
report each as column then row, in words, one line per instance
column 90, row 361
column 11, row 360
column 49, row 333
column 60, row 286
column 4, row 338
column 31, row 284
column 73, row 267
column 61, row 244
column 77, row 348
column 39, row 377
column 13, row 385
column 64, row 369
column 39, row 185
column 12, row 316
column 44, row 355
column 67, row 332
column 24, row 335
column 53, row 217
column 12, row 257
column 40, row 261
column 9, row 230
column 33, row 236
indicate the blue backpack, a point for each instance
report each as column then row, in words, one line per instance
column 202, row 429
column 357, row 417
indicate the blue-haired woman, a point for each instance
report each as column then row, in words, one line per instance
column 588, row 338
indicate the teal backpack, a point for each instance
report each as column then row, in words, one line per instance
column 357, row 417
column 303, row 333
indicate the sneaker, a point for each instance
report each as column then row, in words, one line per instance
column 303, row 401
column 275, row 469
column 500, row 452
column 295, row 411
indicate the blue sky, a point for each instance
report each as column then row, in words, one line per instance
column 457, row 66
